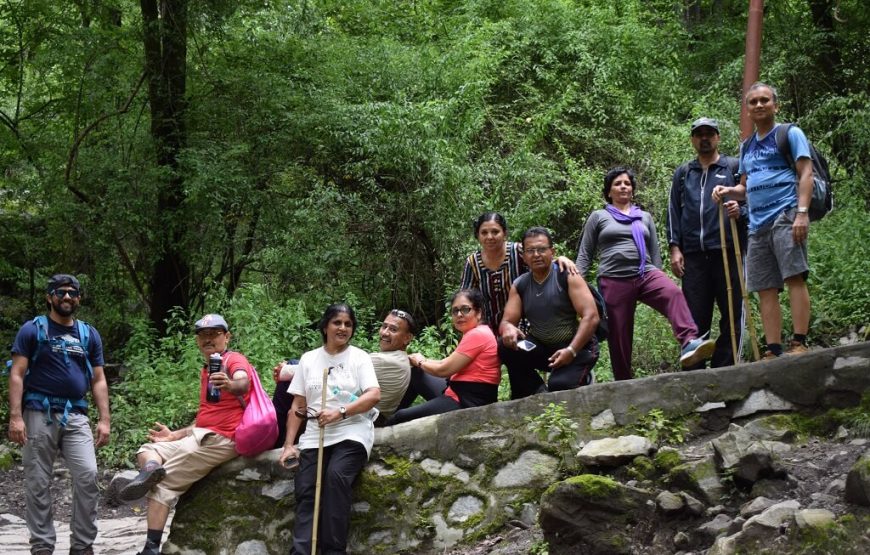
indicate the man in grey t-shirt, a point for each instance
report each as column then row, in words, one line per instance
column 551, row 301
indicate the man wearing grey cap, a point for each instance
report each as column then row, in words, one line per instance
column 695, row 242
column 174, row 460
column 55, row 360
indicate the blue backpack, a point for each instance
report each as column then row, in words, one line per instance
column 42, row 342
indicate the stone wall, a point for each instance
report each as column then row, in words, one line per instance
column 453, row 478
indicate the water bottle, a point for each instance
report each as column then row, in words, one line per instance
column 213, row 393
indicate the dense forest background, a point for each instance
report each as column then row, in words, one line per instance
column 265, row 158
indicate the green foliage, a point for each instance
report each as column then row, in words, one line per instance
column 660, row 429
column 340, row 150
column 553, row 425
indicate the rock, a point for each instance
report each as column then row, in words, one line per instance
column 842, row 433
column 592, row 514
column 746, row 458
column 814, row 518
column 252, row 547
column 858, row 482
column 532, row 468
column 761, row 400
column 693, row 506
column 774, row 489
column 682, row 541
column 279, row 490
column 669, row 503
column 712, row 529
column 119, row 480
column 464, row 508
column 714, row 510
column 726, row 545
column 614, row 451
column 775, row 427
column 699, row 477
column 756, row 506
column 860, row 442
column 768, row 522
column 837, row 486
column 603, row 420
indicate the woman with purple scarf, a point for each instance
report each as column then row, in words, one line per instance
column 629, row 271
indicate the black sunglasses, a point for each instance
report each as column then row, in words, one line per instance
column 61, row 293
column 306, row 414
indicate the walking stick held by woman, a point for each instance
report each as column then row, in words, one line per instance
column 317, row 484
column 746, row 306
column 728, row 279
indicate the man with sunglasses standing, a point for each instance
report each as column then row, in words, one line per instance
column 175, row 459
column 552, row 301
column 55, row 360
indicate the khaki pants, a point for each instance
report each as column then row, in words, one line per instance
column 187, row 460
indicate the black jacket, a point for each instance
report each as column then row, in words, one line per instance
column 693, row 216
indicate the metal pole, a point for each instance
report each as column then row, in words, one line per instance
column 752, row 60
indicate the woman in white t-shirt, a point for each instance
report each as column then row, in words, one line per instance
column 352, row 391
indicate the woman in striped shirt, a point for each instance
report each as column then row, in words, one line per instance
column 494, row 267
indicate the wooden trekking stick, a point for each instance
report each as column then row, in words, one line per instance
column 747, row 308
column 317, row 484
column 727, row 279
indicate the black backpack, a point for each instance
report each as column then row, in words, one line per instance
column 822, row 200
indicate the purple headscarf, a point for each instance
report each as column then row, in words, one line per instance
column 635, row 218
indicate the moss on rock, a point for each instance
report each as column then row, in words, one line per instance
column 593, row 486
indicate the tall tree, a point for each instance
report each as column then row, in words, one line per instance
column 165, row 42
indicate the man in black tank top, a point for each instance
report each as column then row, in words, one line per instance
column 551, row 301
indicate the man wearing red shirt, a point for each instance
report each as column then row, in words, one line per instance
column 174, row 460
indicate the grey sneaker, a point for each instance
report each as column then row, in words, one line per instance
column 140, row 485
column 697, row 350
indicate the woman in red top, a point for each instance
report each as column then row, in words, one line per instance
column 473, row 370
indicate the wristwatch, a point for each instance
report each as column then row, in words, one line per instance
column 343, row 411
column 802, row 210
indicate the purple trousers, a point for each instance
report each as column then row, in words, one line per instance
column 655, row 290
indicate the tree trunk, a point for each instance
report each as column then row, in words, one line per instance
column 165, row 41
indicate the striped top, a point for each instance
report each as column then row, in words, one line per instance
column 494, row 284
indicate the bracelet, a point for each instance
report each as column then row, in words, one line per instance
column 573, row 352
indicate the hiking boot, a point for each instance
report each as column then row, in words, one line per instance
column 89, row 550
column 151, row 548
column 42, row 550
column 697, row 350
column 796, row 348
column 140, row 485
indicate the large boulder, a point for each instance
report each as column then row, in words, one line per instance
column 747, row 459
column 858, row 482
column 593, row 514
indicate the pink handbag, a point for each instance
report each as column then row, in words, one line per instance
column 258, row 429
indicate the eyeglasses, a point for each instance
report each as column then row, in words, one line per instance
column 537, row 250
column 307, row 414
column 61, row 293
column 464, row 310
column 210, row 333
